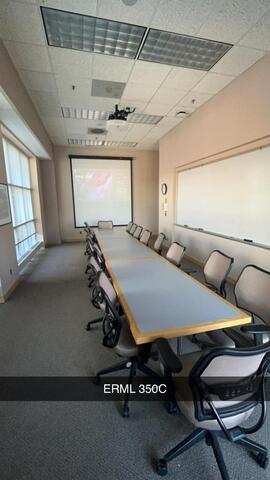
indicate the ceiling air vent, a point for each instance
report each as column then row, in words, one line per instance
column 96, row 131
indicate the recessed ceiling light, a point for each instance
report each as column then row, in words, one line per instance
column 84, row 114
column 182, row 50
column 182, row 113
column 91, row 34
column 143, row 118
column 100, row 143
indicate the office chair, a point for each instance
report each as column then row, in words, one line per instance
column 175, row 253
column 216, row 270
column 137, row 232
column 105, row 224
column 128, row 227
column 117, row 335
column 96, row 265
column 217, row 391
column 159, row 242
column 132, row 229
column 145, row 237
column 252, row 294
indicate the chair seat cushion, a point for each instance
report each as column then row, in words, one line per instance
column 184, row 396
column 126, row 346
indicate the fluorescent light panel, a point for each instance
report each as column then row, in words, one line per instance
column 84, row 114
column 100, row 143
column 143, row 118
column 182, row 50
column 91, row 34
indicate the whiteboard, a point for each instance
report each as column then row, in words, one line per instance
column 230, row 197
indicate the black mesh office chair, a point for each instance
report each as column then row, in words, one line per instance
column 217, row 391
column 95, row 266
column 252, row 294
column 117, row 335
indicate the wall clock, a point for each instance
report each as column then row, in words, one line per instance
column 164, row 188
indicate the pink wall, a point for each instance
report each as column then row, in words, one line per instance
column 236, row 119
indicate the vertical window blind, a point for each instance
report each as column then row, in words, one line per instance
column 19, row 184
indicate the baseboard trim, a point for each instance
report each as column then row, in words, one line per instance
column 6, row 295
column 192, row 259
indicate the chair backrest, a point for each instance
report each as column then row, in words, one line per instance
column 231, row 377
column 252, row 292
column 128, row 227
column 158, row 243
column 216, row 270
column 105, row 224
column 145, row 237
column 137, row 232
column 175, row 253
column 112, row 323
column 133, row 228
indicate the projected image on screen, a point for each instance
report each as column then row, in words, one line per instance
column 102, row 190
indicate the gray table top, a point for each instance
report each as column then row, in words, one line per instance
column 161, row 300
column 122, row 245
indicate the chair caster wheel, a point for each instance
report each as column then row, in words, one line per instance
column 262, row 459
column 208, row 441
column 125, row 411
column 88, row 327
column 96, row 380
column 161, row 467
column 172, row 408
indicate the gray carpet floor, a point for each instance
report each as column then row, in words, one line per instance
column 42, row 333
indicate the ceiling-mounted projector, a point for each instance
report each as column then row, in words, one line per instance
column 118, row 119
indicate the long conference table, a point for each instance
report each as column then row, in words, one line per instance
column 159, row 299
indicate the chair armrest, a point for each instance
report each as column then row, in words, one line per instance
column 168, row 357
column 255, row 328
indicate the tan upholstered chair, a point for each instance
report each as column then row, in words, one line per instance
column 137, row 232
column 117, row 336
column 216, row 271
column 217, row 391
column 128, row 227
column 105, row 224
column 133, row 228
column 252, row 294
column 145, row 237
column 175, row 253
column 159, row 242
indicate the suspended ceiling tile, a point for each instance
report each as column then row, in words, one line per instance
column 149, row 73
column 232, row 19
column 116, row 69
column 129, row 102
column 195, row 99
column 137, row 132
column 73, row 97
column 47, row 103
column 238, row 60
column 139, row 14
column 85, row 7
column 259, row 35
column 138, row 92
column 71, row 63
column 168, row 96
column 21, row 22
column 183, row 78
column 29, row 57
column 212, row 83
column 54, row 125
column 154, row 108
column 41, row 81
column 182, row 16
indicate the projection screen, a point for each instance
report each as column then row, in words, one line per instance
column 101, row 190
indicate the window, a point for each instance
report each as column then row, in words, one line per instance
column 19, row 184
